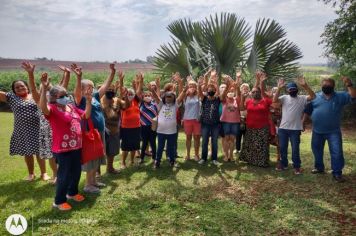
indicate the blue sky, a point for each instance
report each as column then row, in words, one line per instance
column 108, row 30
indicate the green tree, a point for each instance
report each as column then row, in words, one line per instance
column 225, row 42
column 339, row 37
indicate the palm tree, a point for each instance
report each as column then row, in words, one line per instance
column 224, row 42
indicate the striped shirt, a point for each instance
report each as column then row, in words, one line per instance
column 147, row 113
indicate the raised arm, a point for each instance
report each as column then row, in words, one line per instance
column 88, row 96
column 158, row 86
column 78, row 86
column 280, row 85
column 301, row 81
column 154, row 94
column 200, row 91
column 182, row 94
column 66, row 76
column 27, row 66
column 262, row 79
column 351, row 90
column 3, row 96
column 139, row 85
column 120, row 83
column 43, row 98
column 108, row 81
column 238, row 83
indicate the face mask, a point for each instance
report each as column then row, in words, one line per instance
column 211, row 93
column 230, row 95
column 24, row 95
column 63, row 101
column 327, row 89
column 293, row 93
column 147, row 99
column 109, row 94
column 131, row 97
column 256, row 95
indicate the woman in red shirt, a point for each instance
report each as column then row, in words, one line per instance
column 255, row 148
column 130, row 129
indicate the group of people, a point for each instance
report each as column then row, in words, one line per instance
column 144, row 119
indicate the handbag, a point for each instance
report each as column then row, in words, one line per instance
column 92, row 145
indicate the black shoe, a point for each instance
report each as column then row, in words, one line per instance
column 171, row 163
column 316, row 171
column 339, row 178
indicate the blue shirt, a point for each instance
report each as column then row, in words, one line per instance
column 326, row 114
column 96, row 115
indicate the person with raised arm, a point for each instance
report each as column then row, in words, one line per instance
column 255, row 148
column 291, row 124
column 92, row 168
column 65, row 121
column 325, row 111
column 25, row 136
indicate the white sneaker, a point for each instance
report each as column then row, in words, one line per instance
column 235, row 151
column 215, row 162
column 201, row 162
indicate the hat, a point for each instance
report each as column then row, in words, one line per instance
column 292, row 86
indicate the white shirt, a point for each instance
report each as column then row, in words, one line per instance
column 167, row 118
column 292, row 111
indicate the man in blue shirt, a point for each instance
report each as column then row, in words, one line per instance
column 325, row 112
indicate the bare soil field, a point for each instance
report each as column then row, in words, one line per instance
column 14, row 64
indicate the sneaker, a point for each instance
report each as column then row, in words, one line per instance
column 339, row 178
column 76, row 198
column 176, row 165
column 316, row 171
column 62, row 207
column 281, row 168
column 297, row 171
column 215, row 162
column 202, row 161
column 235, row 151
column 99, row 185
column 91, row 189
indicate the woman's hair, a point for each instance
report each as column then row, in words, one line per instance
column 54, row 91
column 168, row 93
column 86, row 82
column 19, row 80
column 244, row 85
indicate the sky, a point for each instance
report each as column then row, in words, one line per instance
column 119, row 30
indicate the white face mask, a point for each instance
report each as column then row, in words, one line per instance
column 147, row 99
column 131, row 97
column 230, row 95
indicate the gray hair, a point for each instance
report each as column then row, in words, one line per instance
column 54, row 91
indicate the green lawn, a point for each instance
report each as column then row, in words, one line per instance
column 231, row 199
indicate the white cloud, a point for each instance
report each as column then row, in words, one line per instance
column 127, row 29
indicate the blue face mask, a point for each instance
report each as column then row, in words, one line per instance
column 63, row 101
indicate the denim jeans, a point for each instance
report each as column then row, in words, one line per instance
column 335, row 148
column 162, row 138
column 68, row 175
column 284, row 135
column 148, row 135
column 206, row 132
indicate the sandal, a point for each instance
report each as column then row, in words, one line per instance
column 30, row 177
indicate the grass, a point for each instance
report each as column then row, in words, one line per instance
column 193, row 200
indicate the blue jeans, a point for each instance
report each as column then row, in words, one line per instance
column 171, row 139
column 68, row 175
column 335, row 148
column 213, row 132
column 284, row 135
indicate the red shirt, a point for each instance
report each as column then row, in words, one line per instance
column 130, row 117
column 258, row 114
column 66, row 129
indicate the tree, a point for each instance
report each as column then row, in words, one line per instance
column 339, row 37
column 224, row 42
